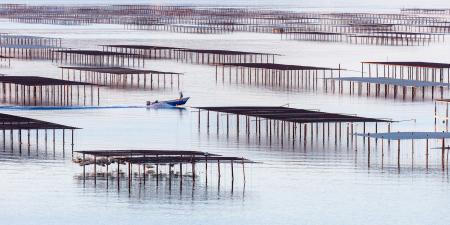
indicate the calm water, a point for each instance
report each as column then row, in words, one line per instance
column 323, row 185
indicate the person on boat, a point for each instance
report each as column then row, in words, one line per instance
column 181, row 94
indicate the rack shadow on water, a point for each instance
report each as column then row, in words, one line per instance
column 163, row 188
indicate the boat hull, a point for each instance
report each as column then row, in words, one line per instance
column 169, row 103
column 176, row 102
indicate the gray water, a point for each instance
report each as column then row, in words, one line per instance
column 322, row 185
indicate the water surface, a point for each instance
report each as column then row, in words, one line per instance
column 322, row 185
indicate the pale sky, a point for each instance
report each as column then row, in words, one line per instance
column 298, row 3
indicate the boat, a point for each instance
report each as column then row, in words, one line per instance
column 168, row 103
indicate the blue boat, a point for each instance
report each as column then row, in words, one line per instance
column 173, row 103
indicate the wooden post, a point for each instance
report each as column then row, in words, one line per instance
column 118, row 175
column 232, row 171
column 95, row 169
column 443, row 154
column 243, row 170
column 368, row 150
column 398, row 154
column 426, row 155
column 129, row 177
column 206, row 170
column 84, row 168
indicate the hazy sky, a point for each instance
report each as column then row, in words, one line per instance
column 298, row 3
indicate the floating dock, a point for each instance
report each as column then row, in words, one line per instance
column 276, row 75
column 17, row 129
column 120, row 77
column 142, row 160
column 289, row 126
column 42, row 91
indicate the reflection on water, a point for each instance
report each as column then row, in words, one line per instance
column 163, row 189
